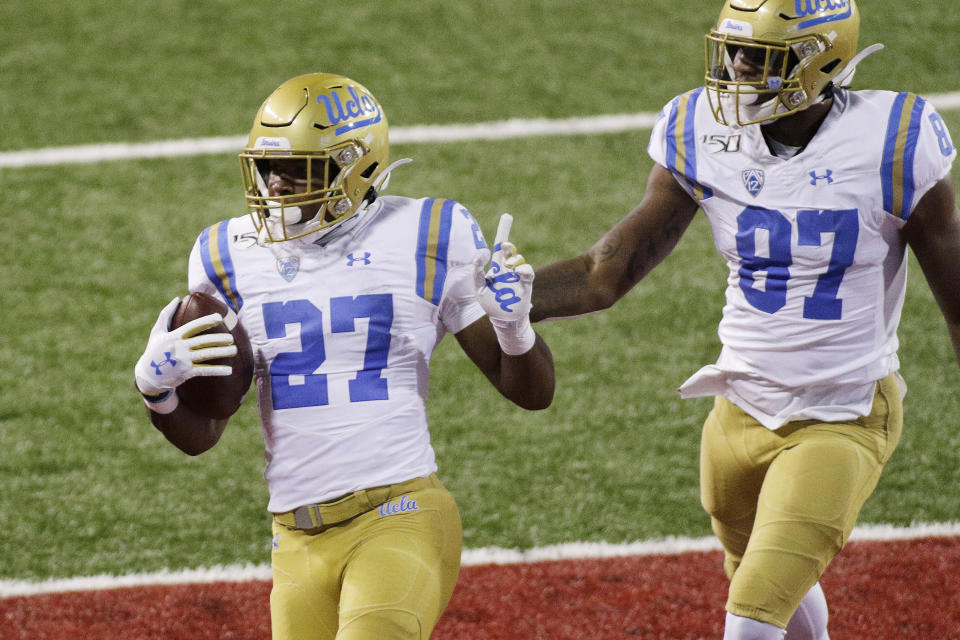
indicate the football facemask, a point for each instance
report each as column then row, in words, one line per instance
column 308, row 195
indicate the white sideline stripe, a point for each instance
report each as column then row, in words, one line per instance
column 470, row 557
column 501, row 130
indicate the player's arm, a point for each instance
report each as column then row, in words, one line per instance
column 933, row 233
column 503, row 344
column 622, row 257
column 172, row 357
column 527, row 379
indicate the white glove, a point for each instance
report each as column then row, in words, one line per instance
column 505, row 292
column 173, row 357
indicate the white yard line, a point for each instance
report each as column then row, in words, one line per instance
column 502, row 130
column 470, row 557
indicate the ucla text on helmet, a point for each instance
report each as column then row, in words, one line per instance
column 347, row 111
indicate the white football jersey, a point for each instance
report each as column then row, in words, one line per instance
column 342, row 331
column 817, row 268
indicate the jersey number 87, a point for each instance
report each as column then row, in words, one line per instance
column 811, row 225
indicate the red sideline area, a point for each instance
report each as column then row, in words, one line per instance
column 877, row 590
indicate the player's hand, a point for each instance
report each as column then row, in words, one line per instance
column 505, row 291
column 174, row 356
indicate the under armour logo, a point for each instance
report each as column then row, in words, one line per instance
column 276, row 542
column 170, row 361
column 364, row 259
column 828, row 176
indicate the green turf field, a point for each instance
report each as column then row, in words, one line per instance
column 90, row 253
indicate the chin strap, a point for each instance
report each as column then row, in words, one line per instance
column 845, row 77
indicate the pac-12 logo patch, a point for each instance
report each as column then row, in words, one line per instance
column 288, row 267
column 752, row 180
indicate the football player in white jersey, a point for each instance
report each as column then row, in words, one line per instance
column 813, row 192
column 344, row 293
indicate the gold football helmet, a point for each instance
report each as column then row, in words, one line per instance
column 317, row 151
column 770, row 58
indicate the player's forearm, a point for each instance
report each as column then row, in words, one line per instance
column 186, row 430
column 563, row 289
column 528, row 379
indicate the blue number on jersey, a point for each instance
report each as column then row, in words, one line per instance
column 811, row 225
column 313, row 391
column 344, row 311
column 367, row 384
column 943, row 135
column 845, row 227
column 776, row 266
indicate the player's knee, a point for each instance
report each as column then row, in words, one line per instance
column 383, row 623
column 776, row 574
column 810, row 536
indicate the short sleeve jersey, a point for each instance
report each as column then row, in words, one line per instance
column 817, row 268
column 342, row 330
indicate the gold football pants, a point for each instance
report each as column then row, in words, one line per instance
column 783, row 503
column 385, row 574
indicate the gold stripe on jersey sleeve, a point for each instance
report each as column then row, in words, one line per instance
column 679, row 136
column 433, row 243
column 217, row 261
column 899, row 154
column 679, row 130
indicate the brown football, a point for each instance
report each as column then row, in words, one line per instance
column 216, row 396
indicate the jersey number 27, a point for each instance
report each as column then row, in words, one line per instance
column 367, row 384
